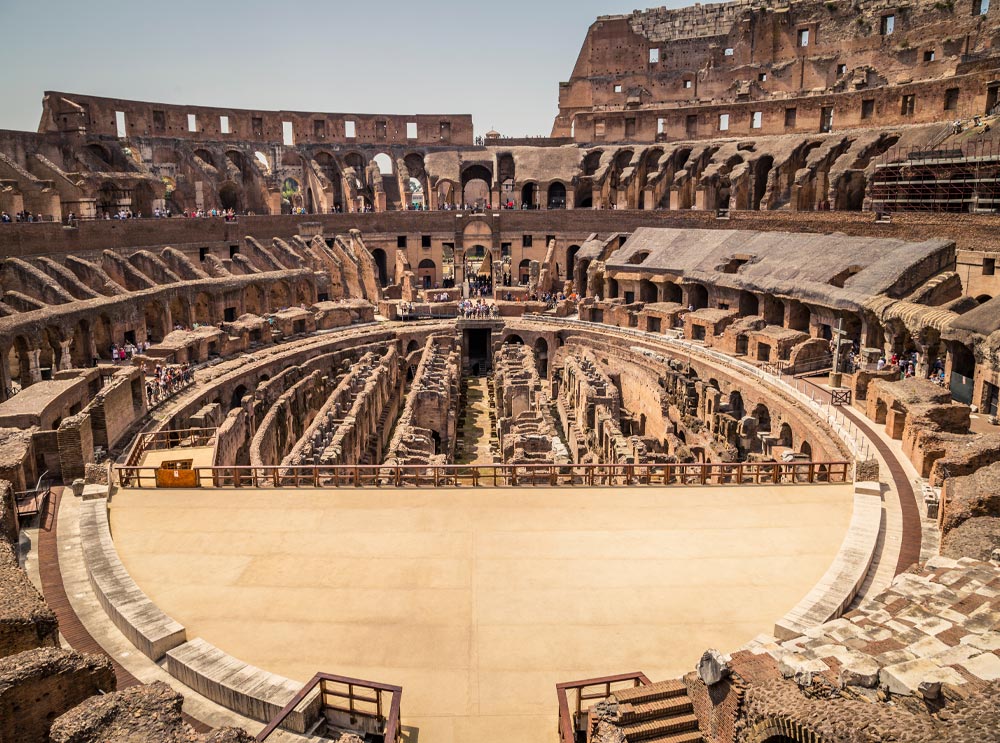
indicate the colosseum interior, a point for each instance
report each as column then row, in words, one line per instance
column 677, row 425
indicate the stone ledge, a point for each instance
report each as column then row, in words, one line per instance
column 836, row 589
column 238, row 686
column 138, row 618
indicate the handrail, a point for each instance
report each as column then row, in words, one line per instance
column 567, row 733
column 503, row 475
column 392, row 726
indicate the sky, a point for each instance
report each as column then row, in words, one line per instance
column 500, row 61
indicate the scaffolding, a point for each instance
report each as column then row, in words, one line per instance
column 962, row 179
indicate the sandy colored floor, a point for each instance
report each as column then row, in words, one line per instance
column 479, row 601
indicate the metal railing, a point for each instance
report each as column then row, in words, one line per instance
column 351, row 704
column 568, row 721
column 501, row 475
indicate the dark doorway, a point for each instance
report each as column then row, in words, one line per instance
column 380, row 263
column 478, row 342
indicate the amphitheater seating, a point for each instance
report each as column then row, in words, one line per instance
column 138, row 618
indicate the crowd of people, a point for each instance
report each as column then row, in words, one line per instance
column 22, row 216
column 165, row 380
column 480, row 286
column 125, row 351
column 479, row 308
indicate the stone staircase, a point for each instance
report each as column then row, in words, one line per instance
column 657, row 713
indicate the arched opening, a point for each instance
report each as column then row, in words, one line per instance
column 557, row 196
column 672, row 292
column 180, row 313
column 82, row 347
column 749, row 304
column 384, row 163
column 427, row 273
column 542, row 357
column 983, row 298
column 785, row 435
column 477, row 182
column 798, row 316
column 156, row 321
column 697, row 296
column 612, row 288
column 806, row 448
column 230, row 196
column 580, row 278
column 142, row 199
column 203, row 309
column 736, row 407
column 279, row 297
column 514, row 339
column 291, row 198
column 881, row 411
column 380, row 266
column 762, row 416
column 761, row 170
column 237, row 398
column 19, row 363
column 529, row 195
column 584, row 195
column 647, row 291
column 411, row 347
column 102, row 336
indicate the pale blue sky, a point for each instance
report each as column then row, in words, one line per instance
column 500, row 61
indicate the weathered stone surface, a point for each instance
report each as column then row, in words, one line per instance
column 138, row 714
column 25, row 620
column 37, row 686
column 712, row 667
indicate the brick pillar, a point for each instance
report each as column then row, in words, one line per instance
column 34, row 370
column 76, row 446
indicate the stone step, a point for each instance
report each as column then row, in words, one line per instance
column 690, row 736
column 651, row 692
column 678, row 705
column 660, row 727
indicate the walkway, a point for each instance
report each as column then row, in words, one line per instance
column 476, row 425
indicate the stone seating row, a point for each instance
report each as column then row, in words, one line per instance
column 830, row 597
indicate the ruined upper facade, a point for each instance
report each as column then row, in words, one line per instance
column 749, row 68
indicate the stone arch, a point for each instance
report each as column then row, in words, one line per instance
column 556, row 195
column 749, row 304
column 762, row 415
column 583, row 195
column 806, row 448
column 381, row 266
column 81, row 349
column 477, row 183
column 180, row 311
column 591, row 162
column 427, row 273
column 513, row 339
column 142, row 198
column 236, row 400
column 529, row 195
column 103, row 337
column 231, row 196
column 612, row 288
column 524, row 271
column 412, row 346
column 798, row 316
column 697, row 296
column 647, row 291
column 541, row 348
column 785, row 435
column 735, row 404
column 155, row 318
column 672, row 292
column 202, row 310
column 19, row 362
column 253, row 300
column 983, row 298
column 279, row 296
column 207, row 157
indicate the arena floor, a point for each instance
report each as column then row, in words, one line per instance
column 479, row 601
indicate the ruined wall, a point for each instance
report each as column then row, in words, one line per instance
column 525, row 425
column 669, row 74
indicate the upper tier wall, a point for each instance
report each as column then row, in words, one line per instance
column 675, row 64
column 70, row 112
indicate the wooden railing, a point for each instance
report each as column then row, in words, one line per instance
column 569, row 720
column 347, row 698
column 160, row 440
column 503, row 475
